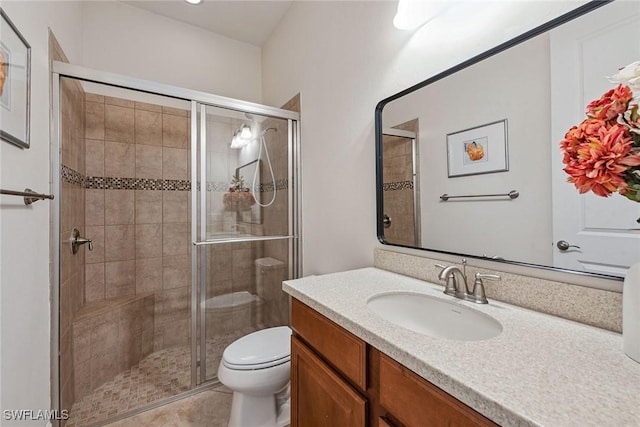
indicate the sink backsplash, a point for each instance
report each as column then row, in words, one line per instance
column 595, row 307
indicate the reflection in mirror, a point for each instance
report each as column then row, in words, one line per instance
column 541, row 87
column 245, row 175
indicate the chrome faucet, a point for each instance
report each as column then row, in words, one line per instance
column 460, row 288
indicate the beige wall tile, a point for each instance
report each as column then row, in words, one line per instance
column 95, row 282
column 243, row 263
column 119, row 206
column 119, row 102
column 119, row 124
column 92, row 97
column 176, row 271
column 96, row 234
column 129, row 350
column 148, row 241
column 120, row 278
column 148, row 275
column 175, row 131
column 94, row 120
column 176, row 305
column 148, row 107
column 175, row 239
column 82, row 340
column 176, row 111
column 94, row 157
column 119, row 160
column 82, row 379
column 148, row 161
column 148, row 125
column 174, row 163
column 175, row 206
column 104, row 367
column 176, row 333
column 104, row 333
column 148, row 207
column 119, row 242
column 94, row 207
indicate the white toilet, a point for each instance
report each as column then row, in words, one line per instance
column 257, row 369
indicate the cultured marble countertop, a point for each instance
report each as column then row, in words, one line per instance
column 540, row 371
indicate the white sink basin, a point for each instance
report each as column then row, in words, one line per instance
column 434, row 316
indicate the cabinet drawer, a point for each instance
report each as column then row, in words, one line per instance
column 343, row 350
column 320, row 397
column 417, row 403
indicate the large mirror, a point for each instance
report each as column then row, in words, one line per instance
column 469, row 161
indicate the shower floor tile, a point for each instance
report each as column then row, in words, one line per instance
column 160, row 375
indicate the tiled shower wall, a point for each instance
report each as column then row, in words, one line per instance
column 398, row 186
column 137, row 209
column 260, row 267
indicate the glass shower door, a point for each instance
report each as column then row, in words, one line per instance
column 244, row 227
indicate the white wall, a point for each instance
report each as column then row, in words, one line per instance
column 344, row 57
column 127, row 40
column 24, row 231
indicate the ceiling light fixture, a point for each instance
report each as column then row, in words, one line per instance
column 413, row 14
column 193, row 1
column 241, row 137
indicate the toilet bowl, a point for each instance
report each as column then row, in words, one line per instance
column 257, row 368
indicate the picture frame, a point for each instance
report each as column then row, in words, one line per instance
column 15, row 84
column 479, row 150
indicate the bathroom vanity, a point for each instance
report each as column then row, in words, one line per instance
column 351, row 367
column 334, row 372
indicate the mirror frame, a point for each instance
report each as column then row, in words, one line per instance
column 569, row 16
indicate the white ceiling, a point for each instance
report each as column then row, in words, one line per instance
column 248, row 21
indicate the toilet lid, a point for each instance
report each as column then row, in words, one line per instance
column 260, row 349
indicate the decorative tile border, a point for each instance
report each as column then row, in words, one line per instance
column 71, row 176
column 74, row 177
column 398, row 185
column 110, row 183
column 281, row 184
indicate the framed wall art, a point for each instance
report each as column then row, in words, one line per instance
column 15, row 79
column 479, row 150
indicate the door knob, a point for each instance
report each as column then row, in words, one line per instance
column 563, row 245
column 386, row 221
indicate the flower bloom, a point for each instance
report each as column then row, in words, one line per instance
column 629, row 75
column 631, row 118
column 596, row 155
column 611, row 104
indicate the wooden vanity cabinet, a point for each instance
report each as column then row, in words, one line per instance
column 328, row 372
column 337, row 380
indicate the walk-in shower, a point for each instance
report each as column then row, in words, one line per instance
column 191, row 237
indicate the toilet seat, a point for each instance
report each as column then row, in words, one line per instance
column 259, row 350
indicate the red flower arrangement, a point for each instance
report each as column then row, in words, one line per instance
column 602, row 154
column 238, row 195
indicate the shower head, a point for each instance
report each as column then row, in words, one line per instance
column 267, row 129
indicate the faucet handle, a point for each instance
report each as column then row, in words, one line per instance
column 478, row 287
column 450, row 282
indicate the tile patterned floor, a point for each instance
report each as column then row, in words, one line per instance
column 160, row 375
column 210, row 408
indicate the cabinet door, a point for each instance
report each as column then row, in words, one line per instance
column 417, row 403
column 319, row 397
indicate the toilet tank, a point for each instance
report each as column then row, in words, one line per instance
column 270, row 273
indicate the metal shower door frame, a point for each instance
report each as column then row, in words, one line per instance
column 60, row 70
column 199, row 220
